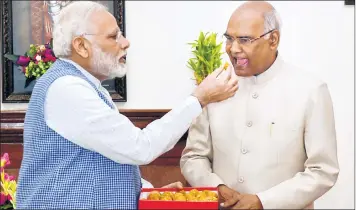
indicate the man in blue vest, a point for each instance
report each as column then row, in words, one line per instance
column 79, row 151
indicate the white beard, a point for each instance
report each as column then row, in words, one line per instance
column 107, row 64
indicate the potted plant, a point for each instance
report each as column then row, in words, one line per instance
column 207, row 56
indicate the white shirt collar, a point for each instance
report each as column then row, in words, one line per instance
column 90, row 77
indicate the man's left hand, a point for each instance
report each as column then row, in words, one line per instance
column 245, row 201
column 177, row 185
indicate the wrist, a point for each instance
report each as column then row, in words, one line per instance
column 259, row 202
column 203, row 102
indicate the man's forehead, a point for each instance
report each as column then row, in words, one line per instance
column 105, row 22
column 245, row 24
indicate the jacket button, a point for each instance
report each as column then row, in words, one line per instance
column 249, row 124
column 244, row 151
column 255, row 95
column 241, row 179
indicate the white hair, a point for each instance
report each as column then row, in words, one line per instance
column 73, row 20
column 272, row 21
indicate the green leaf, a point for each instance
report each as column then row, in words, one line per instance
column 6, row 206
column 51, row 43
column 11, row 57
column 201, row 58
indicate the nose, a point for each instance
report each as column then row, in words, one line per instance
column 124, row 43
column 235, row 47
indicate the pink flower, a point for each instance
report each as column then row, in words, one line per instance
column 23, row 69
column 49, row 58
column 11, row 178
column 4, row 161
column 8, row 178
column 48, row 52
column 3, row 198
column 23, row 60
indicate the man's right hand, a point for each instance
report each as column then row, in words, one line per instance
column 227, row 194
column 213, row 89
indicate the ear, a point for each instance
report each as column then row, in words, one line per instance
column 81, row 47
column 274, row 40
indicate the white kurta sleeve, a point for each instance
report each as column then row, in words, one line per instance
column 146, row 184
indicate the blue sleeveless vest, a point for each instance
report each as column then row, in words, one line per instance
column 56, row 173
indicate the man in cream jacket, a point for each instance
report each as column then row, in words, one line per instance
column 273, row 145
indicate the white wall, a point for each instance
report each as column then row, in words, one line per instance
column 318, row 36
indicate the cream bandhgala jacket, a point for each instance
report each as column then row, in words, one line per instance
column 275, row 138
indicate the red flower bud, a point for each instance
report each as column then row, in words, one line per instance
column 23, row 60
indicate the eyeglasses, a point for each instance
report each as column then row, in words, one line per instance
column 117, row 37
column 244, row 40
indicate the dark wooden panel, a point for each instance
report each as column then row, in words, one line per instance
column 12, row 116
column 160, row 176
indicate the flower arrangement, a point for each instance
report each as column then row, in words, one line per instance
column 207, row 54
column 8, row 186
column 35, row 62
